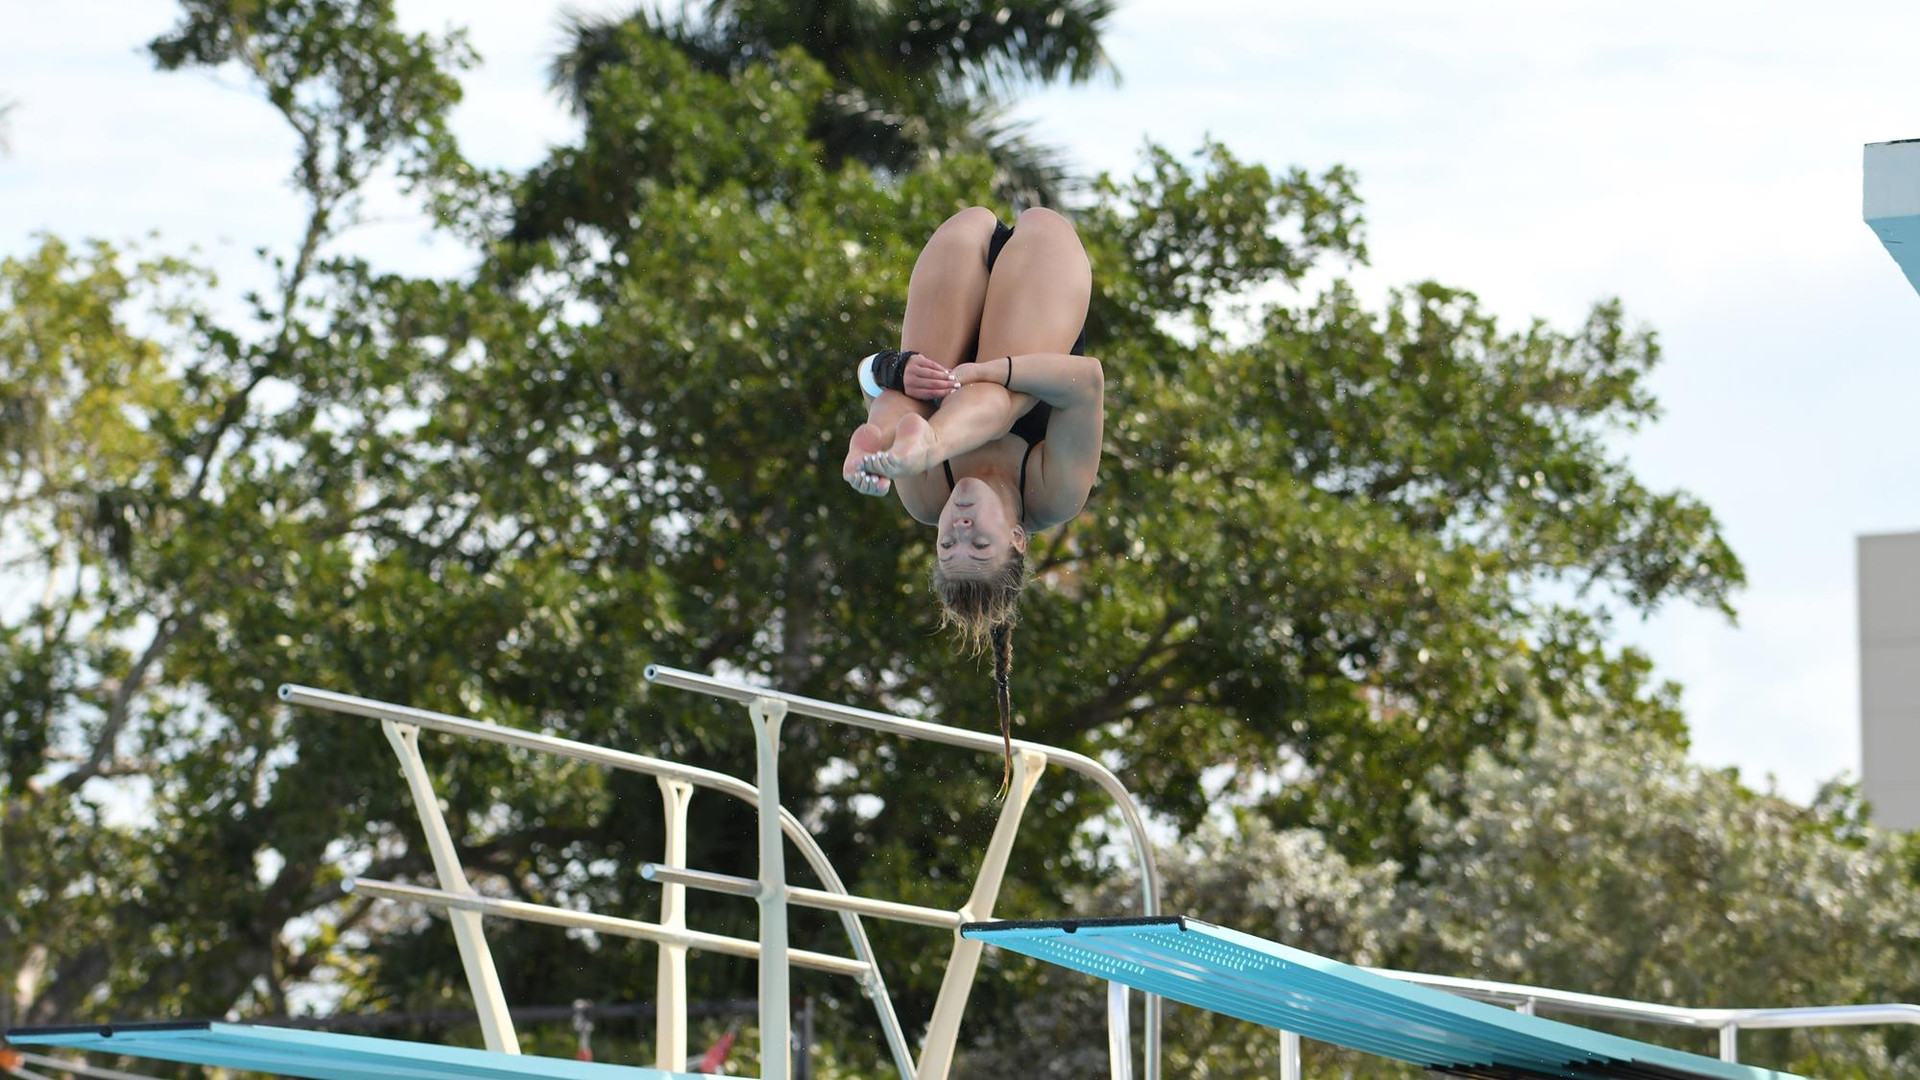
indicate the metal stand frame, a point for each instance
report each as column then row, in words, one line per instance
column 767, row 710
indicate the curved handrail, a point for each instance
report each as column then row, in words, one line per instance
column 810, row 849
column 972, row 740
column 1793, row 1016
column 940, row 733
column 1729, row 1022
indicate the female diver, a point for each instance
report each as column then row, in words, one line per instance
column 986, row 420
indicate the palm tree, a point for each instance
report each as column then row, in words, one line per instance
column 912, row 81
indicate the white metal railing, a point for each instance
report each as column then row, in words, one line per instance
column 675, row 780
column 1029, row 759
column 1726, row 1022
column 767, row 709
column 77, row 1068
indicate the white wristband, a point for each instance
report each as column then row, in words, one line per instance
column 869, row 385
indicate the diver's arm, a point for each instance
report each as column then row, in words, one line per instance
column 1063, row 466
column 1062, row 380
column 974, row 416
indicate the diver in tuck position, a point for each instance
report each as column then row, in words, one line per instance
column 986, row 420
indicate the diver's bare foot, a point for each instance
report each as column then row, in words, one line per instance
column 867, row 441
column 914, row 450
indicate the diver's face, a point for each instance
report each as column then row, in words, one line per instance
column 976, row 531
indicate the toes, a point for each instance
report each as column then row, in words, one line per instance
column 884, row 463
column 867, row 483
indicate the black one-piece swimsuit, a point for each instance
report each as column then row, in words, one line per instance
column 1031, row 428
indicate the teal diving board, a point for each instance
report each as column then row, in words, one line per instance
column 1239, row 975
column 319, row 1055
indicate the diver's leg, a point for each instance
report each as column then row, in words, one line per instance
column 949, row 288
column 1042, row 282
column 1036, row 302
column 944, row 300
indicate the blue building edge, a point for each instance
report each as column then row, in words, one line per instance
column 1891, row 201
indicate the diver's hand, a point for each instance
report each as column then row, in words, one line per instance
column 915, row 450
column 926, row 379
column 866, row 441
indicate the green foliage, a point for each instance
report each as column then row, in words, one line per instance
column 78, row 469
column 357, row 91
column 904, row 86
column 190, row 502
column 1601, row 861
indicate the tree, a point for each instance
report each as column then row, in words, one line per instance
column 72, row 458
column 172, row 494
column 1314, row 552
column 1602, row 861
column 910, row 85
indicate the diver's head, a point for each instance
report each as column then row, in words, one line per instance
column 979, row 532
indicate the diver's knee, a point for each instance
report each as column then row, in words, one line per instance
column 974, row 219
column 1039, row 217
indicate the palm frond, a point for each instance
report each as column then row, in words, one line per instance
column 829, row 30
column 1027, row 172
column 598, row 42
column 914, row 80
column 1007, row 42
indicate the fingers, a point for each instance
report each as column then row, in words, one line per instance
column 927, row 380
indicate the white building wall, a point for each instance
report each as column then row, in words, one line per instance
column 1889, row 582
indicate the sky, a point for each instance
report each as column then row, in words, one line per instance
column 1702, row 162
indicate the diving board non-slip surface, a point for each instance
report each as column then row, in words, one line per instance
column 1243, row 976
column 320, row 1055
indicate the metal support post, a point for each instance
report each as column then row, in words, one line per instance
column 803, row 1042
column 496, row 1025
column 670, row 995
column 1289, row 1055
column 776, row 1020
column 1119, row 1033
column 1730, row 1042
column 943, row 1030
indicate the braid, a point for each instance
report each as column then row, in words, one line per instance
column 984, row 611
column 1003, row 694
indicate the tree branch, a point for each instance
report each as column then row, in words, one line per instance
column 317, row 231
column 120, row 709
column 1106, row 707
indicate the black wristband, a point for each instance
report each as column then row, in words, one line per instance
column 1008, row 381
column 890, row 368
